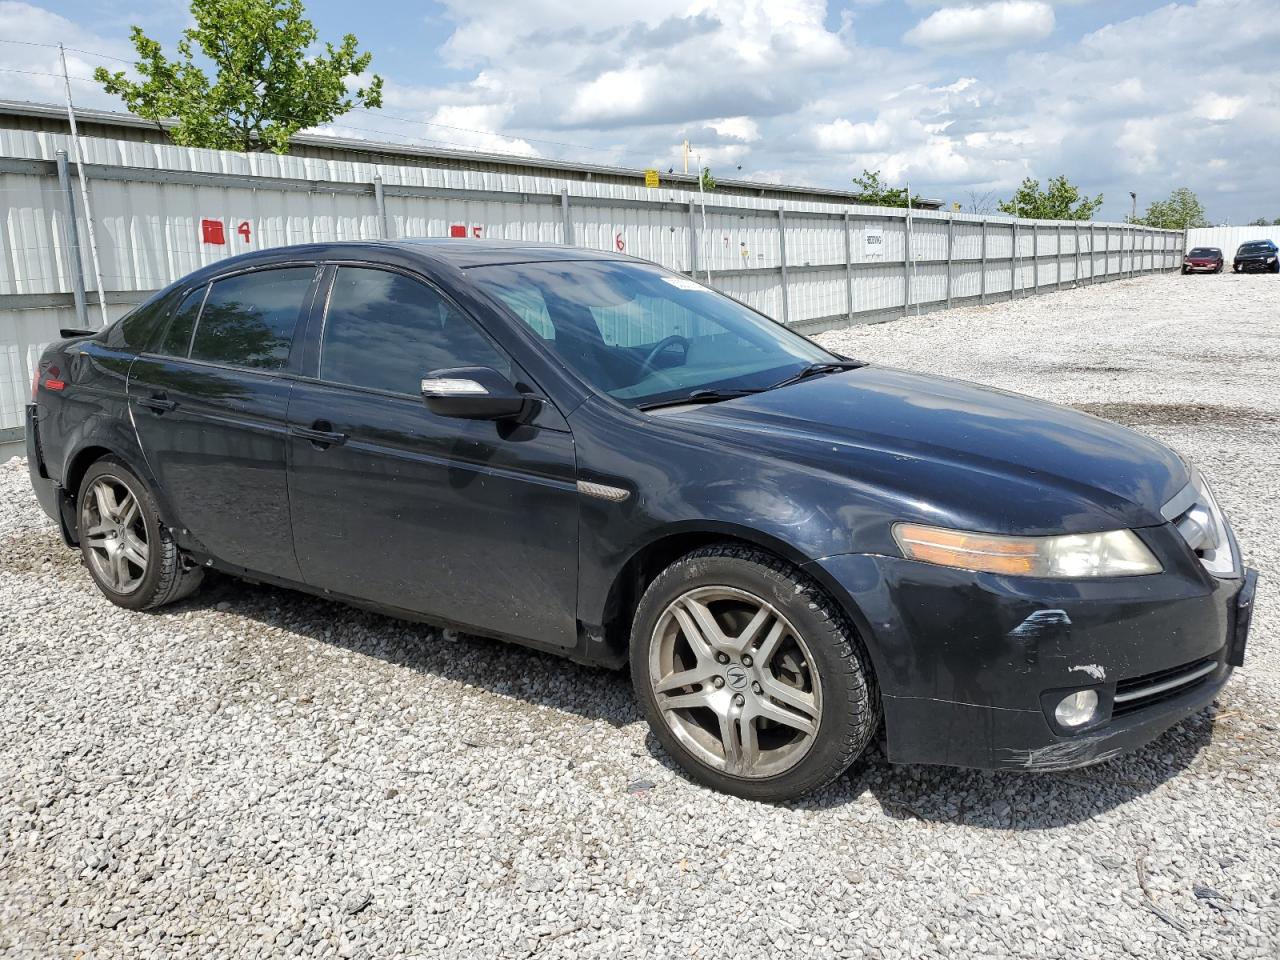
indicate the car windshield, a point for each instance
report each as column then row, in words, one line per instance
column 1203, row 252
column 1262, row 246
column 643, row 335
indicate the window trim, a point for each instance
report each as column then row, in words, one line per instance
column 514, row 371
column 299, row 330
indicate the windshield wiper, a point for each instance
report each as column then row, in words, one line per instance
column 813, row 369
column 698, row 396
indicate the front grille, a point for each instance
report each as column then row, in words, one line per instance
column 1137, row 693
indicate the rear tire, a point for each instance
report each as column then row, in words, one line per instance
column 127, row 548
column 751, row 677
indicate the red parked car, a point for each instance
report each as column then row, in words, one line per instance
column 1203, row 258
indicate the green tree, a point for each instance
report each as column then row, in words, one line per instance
column 708, row 181
column 265, row 89
column 1260, row 222
column 1061, row 201
column 874, row 191
column 1181, row 211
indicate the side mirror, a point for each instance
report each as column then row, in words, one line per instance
column 472, row 393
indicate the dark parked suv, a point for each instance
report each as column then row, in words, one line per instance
column 588, row 454
column 1256, row 256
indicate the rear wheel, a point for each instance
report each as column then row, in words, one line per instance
column 749, row 675
column 129, row 552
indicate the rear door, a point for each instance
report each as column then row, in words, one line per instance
column 473, row 522
column 209, row 407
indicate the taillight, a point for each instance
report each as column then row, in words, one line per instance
column 52, row 381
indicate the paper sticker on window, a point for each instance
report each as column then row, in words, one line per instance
column 683, row 284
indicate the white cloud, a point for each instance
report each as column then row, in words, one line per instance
column 984, row 27
column 1184, row 95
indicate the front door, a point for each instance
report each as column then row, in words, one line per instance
column 209, row 407
column 472, row 522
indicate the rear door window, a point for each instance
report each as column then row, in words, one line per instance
column 386, row 331
column 249, row 320
column 177, row 338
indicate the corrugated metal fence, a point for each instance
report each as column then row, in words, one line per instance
column 162, row 211
column 1228, row 239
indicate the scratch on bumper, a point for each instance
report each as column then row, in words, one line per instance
column 1067, row 755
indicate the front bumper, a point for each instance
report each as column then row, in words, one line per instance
column 971, row 664
column 1254, row 266
column 1192, row 267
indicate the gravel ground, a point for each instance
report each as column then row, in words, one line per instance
column 254, row 772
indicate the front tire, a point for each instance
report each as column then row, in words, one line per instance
column 128, row 550
column 750, row 676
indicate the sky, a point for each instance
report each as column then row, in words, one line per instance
column 961, row 99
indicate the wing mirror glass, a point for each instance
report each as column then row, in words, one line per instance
column 473, row 393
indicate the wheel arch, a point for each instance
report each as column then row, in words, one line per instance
column 648, row 559
column 86, row 454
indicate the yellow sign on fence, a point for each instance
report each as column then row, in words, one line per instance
column 651, row 178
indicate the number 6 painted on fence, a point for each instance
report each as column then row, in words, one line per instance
column 618, row 242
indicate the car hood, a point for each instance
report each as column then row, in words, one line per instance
column 951, row 451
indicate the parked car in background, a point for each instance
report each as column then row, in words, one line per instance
column 1257, row 255
column 579, row 451
column 1203, row 259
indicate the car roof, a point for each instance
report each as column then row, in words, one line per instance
column 478, row 253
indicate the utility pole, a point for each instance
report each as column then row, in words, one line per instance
column 1133, row 212
column 84, row 189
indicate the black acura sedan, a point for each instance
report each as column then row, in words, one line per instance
column 794, row 551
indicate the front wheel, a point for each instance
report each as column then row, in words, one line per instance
column 751, row 678
column 129, row 552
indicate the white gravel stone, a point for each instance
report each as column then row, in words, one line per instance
column 255, row 772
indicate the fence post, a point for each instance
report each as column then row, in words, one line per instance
column 1035, row 258
column 951, row 244
column 380, row 200
column 848, row 266
column 73, row 242
column 982, row 280
column 565, row 218
column 908, row 265
column 693, row 239
column 1014, row 279
column 782, row 259
column 1075, row 239
column 1057, row 258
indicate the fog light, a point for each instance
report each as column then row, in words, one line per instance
column 1076, row 709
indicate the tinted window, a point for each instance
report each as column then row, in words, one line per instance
column 137, row 329
column 644, row 335
column 248, row 321
column 177, row 339
column 386, row 331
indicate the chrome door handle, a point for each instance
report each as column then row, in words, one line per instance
column 320, row 438
column 159, row 403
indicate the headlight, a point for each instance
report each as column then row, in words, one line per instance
column 1116, row 553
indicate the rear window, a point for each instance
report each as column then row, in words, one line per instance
column 249, row 320
column 137, row 329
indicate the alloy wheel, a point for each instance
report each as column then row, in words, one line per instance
column 115, row 534
column 735, row 682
